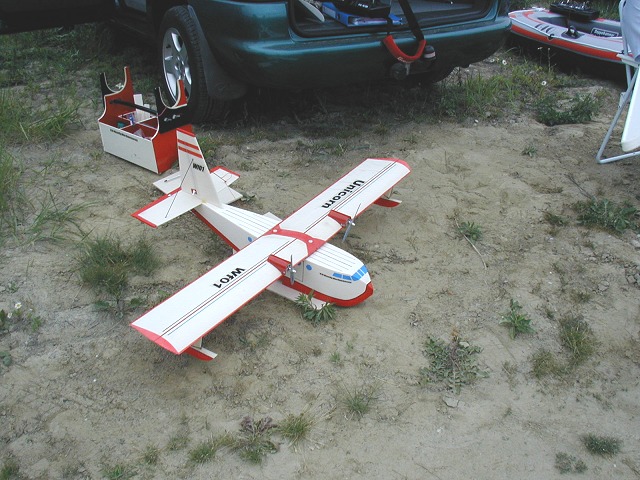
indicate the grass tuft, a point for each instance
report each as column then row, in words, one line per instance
column 151, row 455
column 119, row 471
column 545, row 363
column 358, row 401
column 11, row 197
column 204, row 452
column 51, row 221
column 105, row 265
column 21, row 123
column 296, row 428
column 576, row 335
column 602, row 445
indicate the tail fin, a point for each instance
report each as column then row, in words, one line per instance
column 195, row 177
column 192, row 186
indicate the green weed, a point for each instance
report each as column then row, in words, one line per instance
column 6, row 358
column 13, row 114
column 52, row 123
column 582, row 110
column 602, row 445
column 607, row 9
column 516, row 321
column 20, row 315
column 607, row 215
column 254, row 441
column 452, row 363
column 470, row 230
column 312, row 313
column 10, row 470
column 209, row 145
column 474, row 95
column 566, row 463
column 530, row 151
column 577, row 338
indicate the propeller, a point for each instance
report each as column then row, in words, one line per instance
column 350, row 223
column 291, row 271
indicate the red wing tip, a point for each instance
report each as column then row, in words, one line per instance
column 154, row 337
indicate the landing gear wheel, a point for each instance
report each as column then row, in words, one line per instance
column 180, row 58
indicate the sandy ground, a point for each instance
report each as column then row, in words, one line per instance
column 85, row 392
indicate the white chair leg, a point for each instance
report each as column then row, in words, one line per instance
column 623, row 103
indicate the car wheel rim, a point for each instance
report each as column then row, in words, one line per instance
column 175, row 62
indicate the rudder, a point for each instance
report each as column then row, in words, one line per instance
column 194, row 172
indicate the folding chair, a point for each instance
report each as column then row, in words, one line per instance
column 631, row 133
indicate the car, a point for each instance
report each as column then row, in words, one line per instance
column 220, row 48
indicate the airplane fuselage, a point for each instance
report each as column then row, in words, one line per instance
column 331, row 273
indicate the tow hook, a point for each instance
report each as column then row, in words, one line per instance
column 402, row 69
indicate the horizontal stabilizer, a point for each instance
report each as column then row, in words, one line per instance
column 222, row 181
column 167, row 208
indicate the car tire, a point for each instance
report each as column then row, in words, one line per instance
column 180, row 57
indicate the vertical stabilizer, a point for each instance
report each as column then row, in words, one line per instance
column 194, row 173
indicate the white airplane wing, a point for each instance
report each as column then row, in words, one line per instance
column 191, row 313
column 368, row 183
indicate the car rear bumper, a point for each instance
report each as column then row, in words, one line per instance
column 256, row 45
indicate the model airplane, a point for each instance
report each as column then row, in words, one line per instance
column 288, row 256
